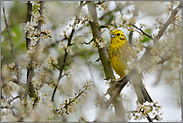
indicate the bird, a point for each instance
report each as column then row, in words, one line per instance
column 120, row 52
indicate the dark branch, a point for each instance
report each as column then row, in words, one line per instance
column 143, row 32
column 28, row 19
column 66, row 52
column 89, row 42
column 100, row 2
column 55, row 65
column 14, row 98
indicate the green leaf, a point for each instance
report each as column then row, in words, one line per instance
column 65, row 68
column 145, row 38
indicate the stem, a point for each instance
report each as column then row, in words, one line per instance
column 30, row 68
column 11, row 43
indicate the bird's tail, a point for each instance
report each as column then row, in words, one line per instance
column 140, row 90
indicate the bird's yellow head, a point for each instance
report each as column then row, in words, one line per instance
column 118, row 38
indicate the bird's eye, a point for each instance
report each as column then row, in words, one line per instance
column 118, row 34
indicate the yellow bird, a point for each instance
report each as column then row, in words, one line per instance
column 120, row 52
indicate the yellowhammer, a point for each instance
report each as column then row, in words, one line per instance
column 120, row 51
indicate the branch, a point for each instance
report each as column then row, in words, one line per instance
column 170, row 20
column 66, row 52
column 164, row 59
column 28, row 19
column 63, row 63
column 30, row 68
column 74, row 99
column 100, row 2
column 89, row 42
column 97, row 35
column 122, row 82
column 118, row 8
column 11, row 42
column 142, row 32
column 55, row 65
column 167, row 23
column 9, row 107
column 71, row 101
column 130, row 38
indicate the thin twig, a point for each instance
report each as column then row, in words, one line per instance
column 9, row 107
column 164, row 59
column 104, row 26
column 118, row 8
column 130, row 38
column 100, row 2
column 90, row 71
column 75, row 98
column 55, row 65
column 89, row 42
column 80, row 93
column 63, row 63
column 143, row 32
column 14, row 98
column 66, row 52
column 11, row 42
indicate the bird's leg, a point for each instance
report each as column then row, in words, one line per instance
column 121, row 79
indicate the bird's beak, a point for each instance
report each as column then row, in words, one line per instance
column 112, row 36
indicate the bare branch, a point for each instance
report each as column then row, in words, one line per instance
column 9, row 107
column 130, row 38
column 11, row 42
column 63, row 64
column 100, row 2
column 118, row 8
column 89, row 42
column 14, row 98
column 143, row 32
column 55, row 65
